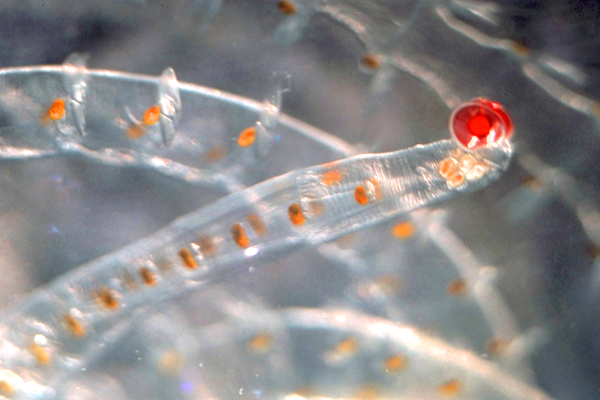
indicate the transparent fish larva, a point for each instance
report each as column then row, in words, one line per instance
column 303, row 208
column 360, row 364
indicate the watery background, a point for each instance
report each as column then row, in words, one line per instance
column 538, row 228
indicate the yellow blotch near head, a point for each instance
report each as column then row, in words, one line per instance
column 403, row 230
column 456, row 179
column 247, row 137
column 447, row 167
column 451, row 388
column 152, row 115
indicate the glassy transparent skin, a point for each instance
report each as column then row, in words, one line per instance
column 293, row 279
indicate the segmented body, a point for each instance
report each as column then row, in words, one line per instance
column 305, row 207
column 98, row 294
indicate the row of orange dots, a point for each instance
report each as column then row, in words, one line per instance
column 57, row 111
column 456, row 288
column 263, row 342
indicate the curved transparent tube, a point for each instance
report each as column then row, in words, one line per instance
column 104, row 115
column 269, row 220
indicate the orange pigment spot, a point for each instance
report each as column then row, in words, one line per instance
column 239, row 235
column 286, row 7
column 331, row 177
column 187, row 258
column 6, row 389
column 456, row 179
column 451, row 388
column 360, row 195
column 403, row 230
column 596, row 109
column 261, row 343
column 57, row 109
column 395, row 363
column 496, row 346
column 215, row 154
column 370, row 61
column 247, row 137
column 147, row 276
column 74, row 326
column 41, row 354
column 257, row 224
column 347, row 346
column 136, row 132
column 447, row 167
column 107, row 299
column 530, row 182
column 170, row 362
column 152, row 115
column 520, row 48
column 593, row 251
column 295, row 214
column 457, row 287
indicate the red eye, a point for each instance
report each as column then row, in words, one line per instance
column 503, row 114
column 480, row 122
